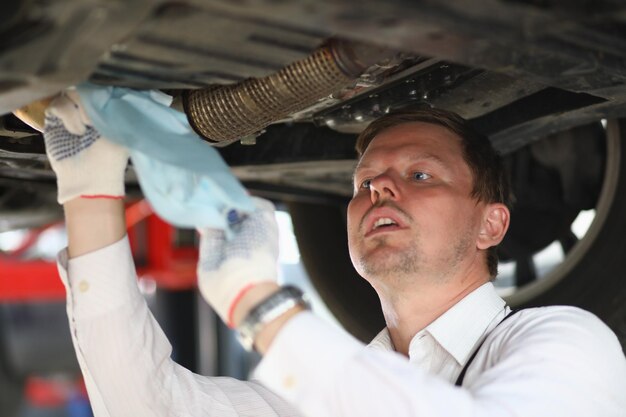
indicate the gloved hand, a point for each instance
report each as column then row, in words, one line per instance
column 228, row 268
column 86, row 164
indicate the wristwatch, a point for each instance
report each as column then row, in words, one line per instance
column 267, row 310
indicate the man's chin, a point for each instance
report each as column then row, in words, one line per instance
column 381, row 246
column 384, row 262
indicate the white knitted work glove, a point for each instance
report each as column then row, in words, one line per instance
column 86, row 164
column 227, row 269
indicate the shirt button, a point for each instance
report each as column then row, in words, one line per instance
column 289, row 381
column 83, row 286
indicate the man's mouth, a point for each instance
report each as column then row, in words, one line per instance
column 382, row 219
column 384, row 222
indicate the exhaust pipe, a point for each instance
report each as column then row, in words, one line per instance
column 224, row 114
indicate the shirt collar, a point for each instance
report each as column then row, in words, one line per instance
column 382, row 341
column 457, row 334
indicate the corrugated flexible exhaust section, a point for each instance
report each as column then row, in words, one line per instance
column 228, row 113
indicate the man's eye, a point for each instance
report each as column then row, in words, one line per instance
column 421, row 176
column 366, row 183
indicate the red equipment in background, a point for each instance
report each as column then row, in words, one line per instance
column 154, row 246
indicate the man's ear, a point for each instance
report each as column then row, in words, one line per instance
column 494, row 225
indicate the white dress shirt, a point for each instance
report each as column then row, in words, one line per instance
column 552, row 361
column 444, row 346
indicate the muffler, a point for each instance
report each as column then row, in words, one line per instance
column 224, row 114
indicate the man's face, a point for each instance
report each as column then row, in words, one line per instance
column 412, row 216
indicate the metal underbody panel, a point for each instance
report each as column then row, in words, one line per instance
column 521, row 70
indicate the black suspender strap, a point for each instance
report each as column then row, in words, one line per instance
column 459, row 380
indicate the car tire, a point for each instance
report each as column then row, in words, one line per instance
column 593, row 276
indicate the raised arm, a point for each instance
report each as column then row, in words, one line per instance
column 93, row 224
column 122, row 351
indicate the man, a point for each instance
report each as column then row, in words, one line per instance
column 429, row 206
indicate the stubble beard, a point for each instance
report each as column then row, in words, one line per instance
column 387, row 263
column 401, row 266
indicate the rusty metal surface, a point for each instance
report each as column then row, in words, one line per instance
column 227, row 113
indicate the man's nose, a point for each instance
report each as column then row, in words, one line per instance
column 382, row 187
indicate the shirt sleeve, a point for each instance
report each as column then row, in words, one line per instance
column 125, row 356
column 562, row 364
